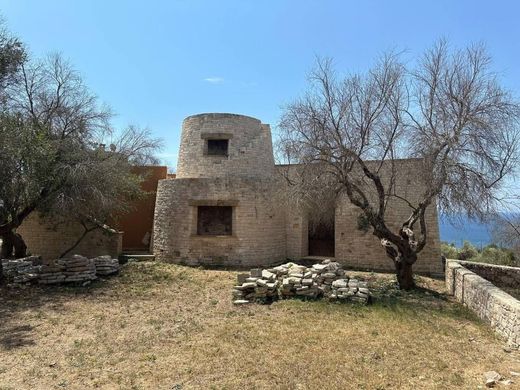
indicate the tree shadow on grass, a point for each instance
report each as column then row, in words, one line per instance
column 422, row 301
column 16, row 332
column 16, row 336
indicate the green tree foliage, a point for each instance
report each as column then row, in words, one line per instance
column 467, row 251
column 53, row 158
column 491, row 254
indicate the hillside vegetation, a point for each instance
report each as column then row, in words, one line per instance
column 491, row 254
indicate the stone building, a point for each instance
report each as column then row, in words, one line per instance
column 130, row 233
column 222, row 209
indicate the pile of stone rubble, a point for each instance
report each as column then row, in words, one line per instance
column 71, row 269
column 327, row 280
column 76, row 268
column 106, row 265
column 22, row 270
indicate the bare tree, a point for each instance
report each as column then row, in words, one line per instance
column 449, row 111
column 52, row 153
column 505, row 231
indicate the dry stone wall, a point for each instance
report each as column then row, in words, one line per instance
column 22, row 270
column 75, row 269
column 500, row 275
column 499, row 309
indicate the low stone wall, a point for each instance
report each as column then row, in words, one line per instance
column 499, row 309
column 500, row 275
column 77, row 269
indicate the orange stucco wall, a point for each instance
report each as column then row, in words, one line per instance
column 137, row 225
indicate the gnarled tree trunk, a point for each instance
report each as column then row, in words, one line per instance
column 13, row 245
column 403, row 259
column 404, row 273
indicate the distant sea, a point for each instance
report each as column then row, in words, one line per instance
column 465, row 230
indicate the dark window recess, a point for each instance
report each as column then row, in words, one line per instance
column 214, row 220
column 218, row 147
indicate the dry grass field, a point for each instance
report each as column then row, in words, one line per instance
column 160, row 326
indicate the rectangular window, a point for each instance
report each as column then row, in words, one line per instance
column 214, row 220
column 218, row 147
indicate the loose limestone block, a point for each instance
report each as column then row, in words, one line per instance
column 340, row 283
column 241, row 278
column 256, row 273
column 327, row 279
column 268, row 276
column 261, row 282
column 329, row 275
column 241, row 302
column 319, row 268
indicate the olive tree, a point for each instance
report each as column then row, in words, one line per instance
column 447, row 109
column 53, row 159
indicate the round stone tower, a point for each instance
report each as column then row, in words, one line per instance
column 223, row 145
column 221, row 208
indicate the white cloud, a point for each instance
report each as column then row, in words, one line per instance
column 214, row 80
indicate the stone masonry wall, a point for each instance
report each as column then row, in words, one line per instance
column 297, row 235
column 489, row 302
column 266, row 230
column 43, row 239
column 500, row 275
column 250, row 150
column 258, row 225
column 242, row 179
column 362, row 250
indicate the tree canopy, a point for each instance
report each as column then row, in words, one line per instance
column 447, row 109
column 53, row 158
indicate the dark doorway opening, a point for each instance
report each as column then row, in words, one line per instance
column 321, row 239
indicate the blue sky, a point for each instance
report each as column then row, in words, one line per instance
column 156, row 62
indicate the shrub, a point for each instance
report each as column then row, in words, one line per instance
column 449, row 251
column 491, row 254
column 468, row 251
column 501, row 256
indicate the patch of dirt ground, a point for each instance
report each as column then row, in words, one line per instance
column 162, row 326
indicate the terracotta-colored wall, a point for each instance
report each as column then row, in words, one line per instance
column 138, row 223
